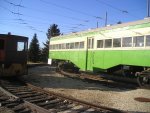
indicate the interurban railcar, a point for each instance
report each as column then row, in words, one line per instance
column 13, row 55
column 123, row 47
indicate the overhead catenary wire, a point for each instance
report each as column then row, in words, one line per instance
column 17, row 13
column 117, row 9
column 73, row 18
column 60, row 6
column 84, row 21
column 69, row 9
column 11, row 3
column 19, row 5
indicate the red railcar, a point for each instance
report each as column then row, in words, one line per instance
column 13, row 55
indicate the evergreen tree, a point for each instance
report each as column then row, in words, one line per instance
column 53, row 31
column 34, row 50
column 119, row 22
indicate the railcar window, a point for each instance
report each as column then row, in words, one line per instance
column 67, row 46
column 1, row 44
column 117, row 42
column 63, row 46
column 99, row 43
column 76, row 45
column 148, row 40
column 71, row 45
column 90, row 43
column 50, row 46
column 108, row 43
column 127, row 42
column 53, row 46
column 138, row 41
column 59, row 46
column 81, row 45
column 20, row 46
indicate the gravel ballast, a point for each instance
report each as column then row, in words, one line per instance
column 122, row 99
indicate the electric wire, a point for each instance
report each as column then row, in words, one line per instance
column 116, row 8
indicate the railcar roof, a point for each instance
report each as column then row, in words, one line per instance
column 17, row 36
column 130, row 25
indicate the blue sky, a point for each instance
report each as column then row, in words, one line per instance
column 26, row 17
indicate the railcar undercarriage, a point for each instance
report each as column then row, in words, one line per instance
column 143, row 78
column 126, row 73
column 14, row 69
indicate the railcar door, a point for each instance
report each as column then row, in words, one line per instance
column 90, row 53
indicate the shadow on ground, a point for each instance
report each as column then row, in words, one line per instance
column 45, row 77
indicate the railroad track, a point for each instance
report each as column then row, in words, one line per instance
column 42, row 101
column 110, row 81
column 14, row 104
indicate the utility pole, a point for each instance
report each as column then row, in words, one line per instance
column 106, row 19
column 97, row 20
column 97, row 24
column 148, row 4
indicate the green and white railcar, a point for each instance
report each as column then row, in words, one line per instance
column 126, row 44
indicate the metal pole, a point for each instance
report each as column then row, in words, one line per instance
column 97, row 24
column 106, row 19
column 148, row 4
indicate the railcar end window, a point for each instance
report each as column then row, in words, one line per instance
column 148, row 40
column 20, row 46
column 1, row 44
column 99, row 43
column 127, row 42
column 108, row 43
column 117, row 42
column 138, row 41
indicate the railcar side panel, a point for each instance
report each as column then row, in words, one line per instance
column 76, row 57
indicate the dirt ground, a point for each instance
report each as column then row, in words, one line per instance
column 95, row 93
column 5, row 110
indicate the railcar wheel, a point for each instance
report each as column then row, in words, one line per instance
column 144, row 81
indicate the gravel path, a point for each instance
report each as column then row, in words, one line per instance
column 90, row 92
